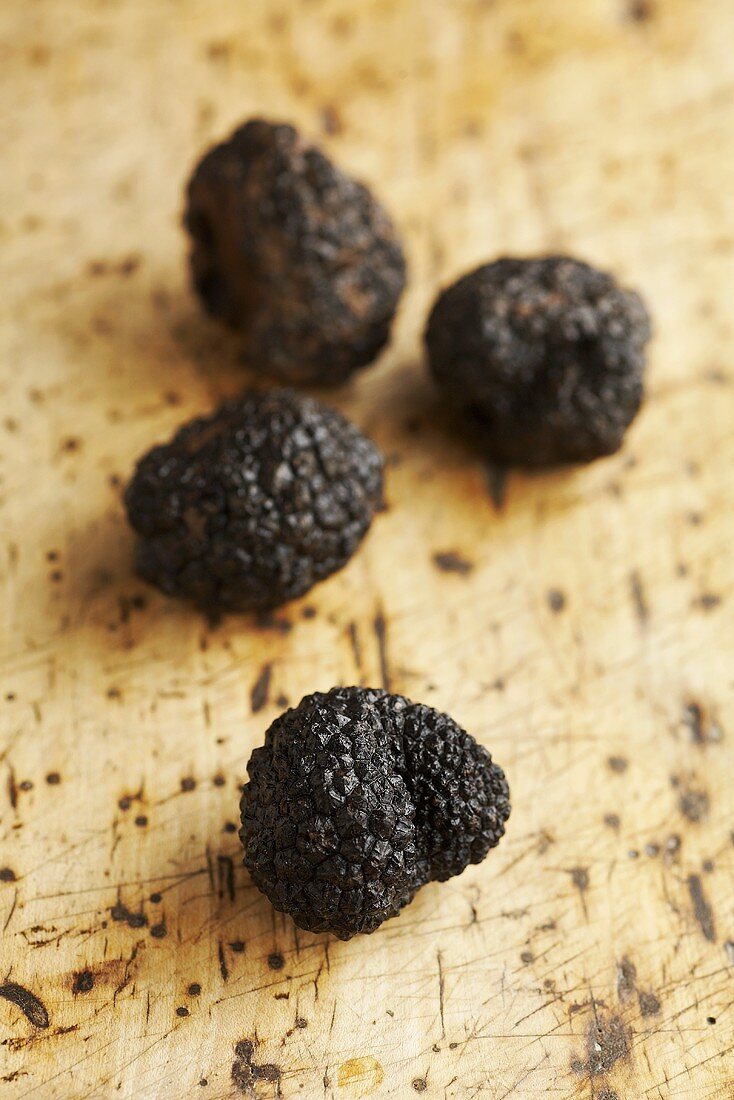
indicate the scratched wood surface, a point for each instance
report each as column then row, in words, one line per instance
column 579, row 623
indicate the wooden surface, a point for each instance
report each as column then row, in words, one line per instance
column 588, row 642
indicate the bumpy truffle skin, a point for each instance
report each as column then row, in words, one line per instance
column 293, row 253
column 249, row 507
column 546, row 357
column 357, row 799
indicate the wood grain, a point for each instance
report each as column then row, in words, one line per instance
column 589, row 645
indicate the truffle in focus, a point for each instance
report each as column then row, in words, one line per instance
column 544, row 356
column 293, row 253
column 249, row 507
column 357, row 799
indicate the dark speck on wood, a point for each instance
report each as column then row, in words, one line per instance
column 29, row 1004
column 641, row 11
column 707, row 601
column 451, row 561
column 556, row 600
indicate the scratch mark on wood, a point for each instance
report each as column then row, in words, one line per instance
column 353, row 633
column 701, row 907
column 12, row 789
column 261, row 689
column 441, row 992
column 226, row 876
column 497, row 484
column 380, row 629
column 222, row 962
column 639, row 600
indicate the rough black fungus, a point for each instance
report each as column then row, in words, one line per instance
column 357, row 799
column 293, row 253
column 545, row 356
column 251, row 506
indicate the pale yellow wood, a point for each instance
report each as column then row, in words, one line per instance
column 513, row 125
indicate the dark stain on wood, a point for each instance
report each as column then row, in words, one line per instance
column 29, row 1004
column 694, row 804
column 702, row 910
column 607, row 1042
column 707, row 601
column 276, row 961
column 123, row 915
column 83, row 982
column 649, row 1004
column 266, row 620
column 641, row 11
column 702, row 727
column 626, row 980
column 246, row 1073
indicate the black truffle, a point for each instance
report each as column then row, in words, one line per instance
column 545, row 356
column 249, row 507
column 293, row 253
column 357, row 799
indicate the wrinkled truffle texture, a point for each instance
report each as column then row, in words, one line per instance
column 293, row 253
column 357, row 799
column 249, row 507
column 545, row 356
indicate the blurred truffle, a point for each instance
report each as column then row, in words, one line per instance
column 545, row 357
column 293, row 253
